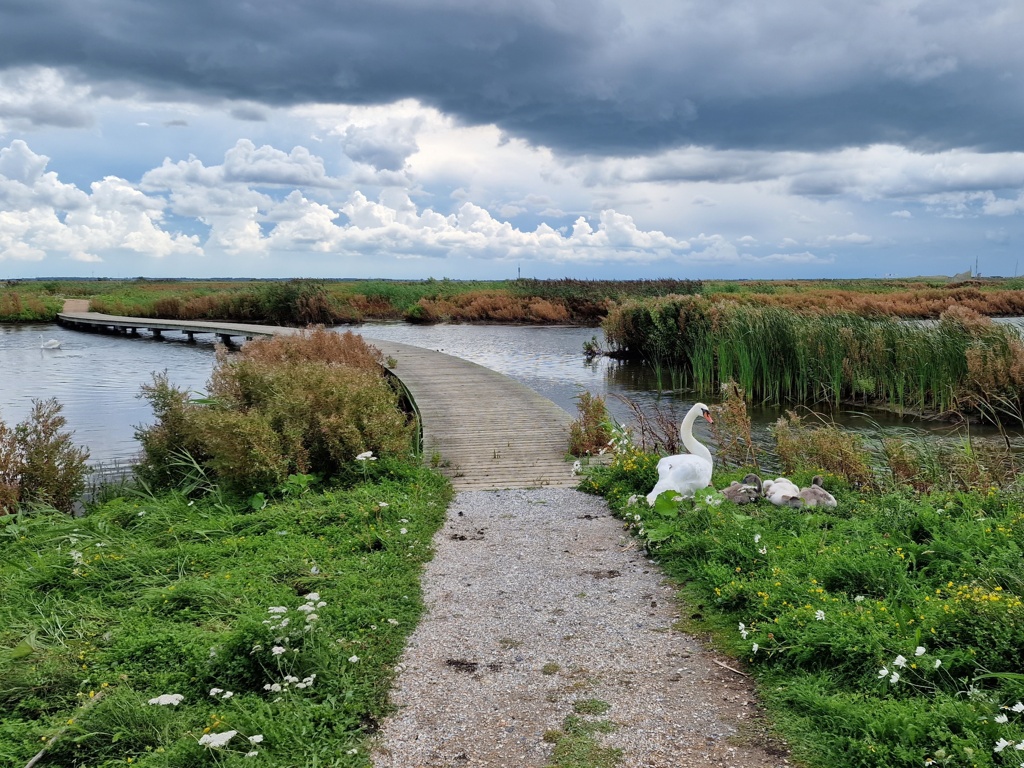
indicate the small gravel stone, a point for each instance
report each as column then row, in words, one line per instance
column 536, row 600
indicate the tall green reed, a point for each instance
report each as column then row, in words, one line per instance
column 781, row 356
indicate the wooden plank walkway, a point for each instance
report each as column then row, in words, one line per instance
column 482, row 429
column 485, row 430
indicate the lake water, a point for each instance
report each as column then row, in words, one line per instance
column 97, row 377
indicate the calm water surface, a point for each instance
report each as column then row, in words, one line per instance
column 97, row 377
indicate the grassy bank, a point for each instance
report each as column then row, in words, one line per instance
column 249, row 597
column 147, row 597
column 888, row 631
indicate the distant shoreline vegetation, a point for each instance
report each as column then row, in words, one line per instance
column 559, row 302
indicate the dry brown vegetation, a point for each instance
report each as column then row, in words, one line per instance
column 822, row 447
column 924, row 303
column 491, row 306
column 732, row 430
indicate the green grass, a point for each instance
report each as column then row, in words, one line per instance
column 817, row 603
column 575, row 745
column 147, row 597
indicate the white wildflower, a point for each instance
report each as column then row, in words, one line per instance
column 899, row 661
column 353, row 659
column 366, row 456
column 743, row 630
column 312, row 617
column 1000, row 718
column 938, row 663
column 1001, row 745
column 251, row 753
column 277, row 609
column 757, row 537
column 632, row 500
column 577, row 467
column 227, row 695
column 258, row 738
column 312, row 597
column 382, row 504
column 883, row 672
column 277, row 650
column 755, row 647
column 217, row 740
column 215, row 691
column 172, row 699
column 859, row 599
column 920, row 651
column 393, row 621
column 894, row 677
column 403, row 531
column 307, row 608
column 819, row 615
column 763, row 550
column 1018, row 707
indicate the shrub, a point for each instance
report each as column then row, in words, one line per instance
column 304, row 404
column 589, row 433
column 823, row 448
column 731, row 428
column 38, row 461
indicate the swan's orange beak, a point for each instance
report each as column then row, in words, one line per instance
column 707, row 417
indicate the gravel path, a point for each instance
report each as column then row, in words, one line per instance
column 538, row 601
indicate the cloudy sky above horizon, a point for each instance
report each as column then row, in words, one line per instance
column 484, row 138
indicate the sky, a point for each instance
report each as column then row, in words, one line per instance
column 488, row 139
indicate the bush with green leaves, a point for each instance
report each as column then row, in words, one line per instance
column 291, row 405
column 39, row 463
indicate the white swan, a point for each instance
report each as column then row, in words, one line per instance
column 685, row 473
column 816, row 496
column 51, row 344
column 782, row 492
column 746, row 492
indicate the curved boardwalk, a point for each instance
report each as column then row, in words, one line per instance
column 481, row 428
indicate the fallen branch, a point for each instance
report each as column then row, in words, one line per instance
column 727, row 667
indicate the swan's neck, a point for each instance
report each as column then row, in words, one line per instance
column 691, row 443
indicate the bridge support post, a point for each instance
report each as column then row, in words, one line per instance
column 157, row 333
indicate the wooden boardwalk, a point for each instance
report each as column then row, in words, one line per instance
column 482, row 429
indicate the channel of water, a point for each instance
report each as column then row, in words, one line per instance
column 98, row 377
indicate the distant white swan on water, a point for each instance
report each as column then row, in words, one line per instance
column 49, row 344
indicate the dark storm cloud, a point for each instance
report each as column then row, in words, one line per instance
column 577, row 76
